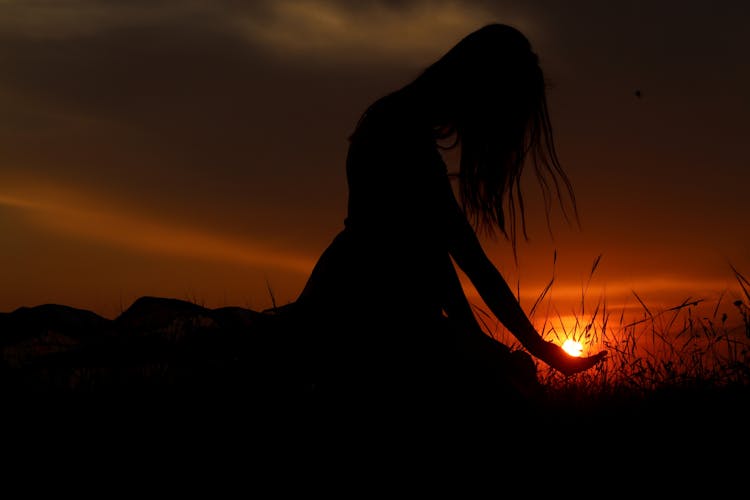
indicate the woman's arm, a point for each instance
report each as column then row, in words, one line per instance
column 469, row 255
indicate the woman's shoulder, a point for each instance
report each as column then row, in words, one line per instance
column 391, row 117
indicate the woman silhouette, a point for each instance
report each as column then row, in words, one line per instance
column 384, row 306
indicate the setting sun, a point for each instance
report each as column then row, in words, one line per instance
column 572, row 347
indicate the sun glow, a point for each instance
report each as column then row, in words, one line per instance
column 572, row 347
column 72, row 212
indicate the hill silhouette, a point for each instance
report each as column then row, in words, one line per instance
column 169, row 369
column 157, row 344
column 231, row 370
column 171, row 346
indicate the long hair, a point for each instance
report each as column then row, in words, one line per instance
column 495, row 93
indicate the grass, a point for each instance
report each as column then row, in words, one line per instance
column 695, row 351
column 691, row 347
column 648, row 397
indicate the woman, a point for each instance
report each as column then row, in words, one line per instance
column 384, row 303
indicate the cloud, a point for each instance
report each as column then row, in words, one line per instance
column 42, row 19
column 370, row 31
column 74, row 213
column 374, row 31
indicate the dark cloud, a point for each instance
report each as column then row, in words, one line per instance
column 172, row 112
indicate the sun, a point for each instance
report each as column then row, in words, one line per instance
column 572, row 347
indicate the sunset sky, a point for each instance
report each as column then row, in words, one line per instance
column 196, row 149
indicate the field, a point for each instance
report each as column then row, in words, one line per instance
column 677, row 374
column 693, row 343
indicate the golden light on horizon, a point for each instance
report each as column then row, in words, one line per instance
column 573, row 347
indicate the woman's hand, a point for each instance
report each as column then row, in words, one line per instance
column 557, row 358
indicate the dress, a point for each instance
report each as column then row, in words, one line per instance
column 394, row 236
column 378, row 289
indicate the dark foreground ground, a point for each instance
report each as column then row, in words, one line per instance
column 170, row 380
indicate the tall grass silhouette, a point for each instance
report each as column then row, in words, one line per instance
column 674, row 348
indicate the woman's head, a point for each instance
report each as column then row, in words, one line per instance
column 490, row 91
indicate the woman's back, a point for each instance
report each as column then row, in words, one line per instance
column 393, row 240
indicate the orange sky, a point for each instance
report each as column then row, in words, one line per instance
column 197, row 150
